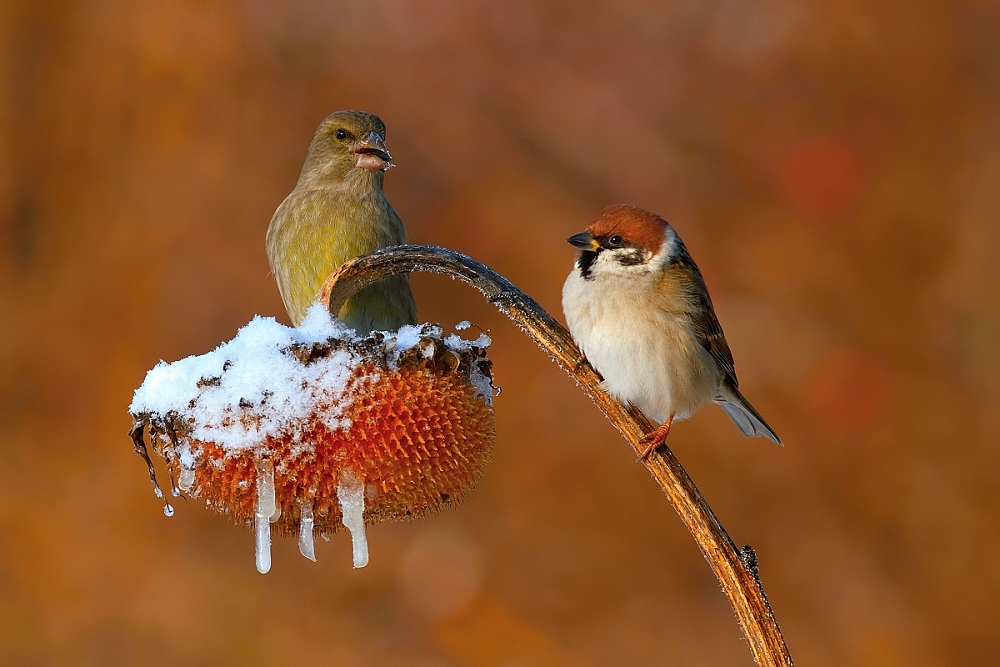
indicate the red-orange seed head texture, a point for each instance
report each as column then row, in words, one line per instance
column 420, row 427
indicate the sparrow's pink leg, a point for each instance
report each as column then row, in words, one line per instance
column 656, row 438
column 580, row 362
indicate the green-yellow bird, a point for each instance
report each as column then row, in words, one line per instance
column 337, row 212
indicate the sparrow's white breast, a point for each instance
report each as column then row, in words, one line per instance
column 647, row 355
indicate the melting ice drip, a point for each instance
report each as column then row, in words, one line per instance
column 186, row 479
column 168, row 509
column 306, row 546
column 266, row 508
column 351, row 494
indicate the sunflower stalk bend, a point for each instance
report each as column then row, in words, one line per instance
column 736, row 569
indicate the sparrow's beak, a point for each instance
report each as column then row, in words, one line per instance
column 584, row 241
column 372, row 154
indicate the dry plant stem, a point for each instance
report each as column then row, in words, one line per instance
column 735, row 569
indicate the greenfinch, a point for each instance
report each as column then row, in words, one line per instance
column 337, row 212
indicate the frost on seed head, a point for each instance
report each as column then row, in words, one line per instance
column 254, row 386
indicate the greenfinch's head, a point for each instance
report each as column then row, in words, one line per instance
column 348, row 144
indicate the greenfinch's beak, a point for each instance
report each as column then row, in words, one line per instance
column 372, row 153
column 584, row 241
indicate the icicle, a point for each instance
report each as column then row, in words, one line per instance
column 263, row 547
column 306, row 546
column 277, row 514
column 174, row 489
column 265, row 510
column 186, row 479
column 351, row 494
column 265, row 489
column 170, row 454
column 168, row 509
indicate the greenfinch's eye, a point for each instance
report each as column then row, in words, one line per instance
column 616, row 241
column 341, row 134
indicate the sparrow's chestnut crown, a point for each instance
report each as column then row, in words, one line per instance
column 623, row 225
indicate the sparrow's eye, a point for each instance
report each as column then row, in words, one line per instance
column 341, row 134
column 616, row 241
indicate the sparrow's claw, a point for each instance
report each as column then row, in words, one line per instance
column 655, row 439
column 580, row 363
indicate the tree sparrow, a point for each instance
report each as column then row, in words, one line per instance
column 637, row 306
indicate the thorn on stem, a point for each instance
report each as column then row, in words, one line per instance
column 749, row 559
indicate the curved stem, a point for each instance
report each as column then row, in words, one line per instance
column 735, row 568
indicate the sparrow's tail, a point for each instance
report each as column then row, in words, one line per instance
column 744, row 416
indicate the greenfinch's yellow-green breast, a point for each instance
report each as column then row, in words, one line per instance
column 337, row 212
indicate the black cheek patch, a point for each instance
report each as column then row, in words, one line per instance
column 585, row 261
column 631, row 258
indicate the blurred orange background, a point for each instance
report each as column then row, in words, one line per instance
column 834, row 167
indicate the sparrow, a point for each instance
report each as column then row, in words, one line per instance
column 337, row 212
column 638, row 308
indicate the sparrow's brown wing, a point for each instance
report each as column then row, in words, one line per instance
column 712, row 339
column 683, row 284
column 702, row 314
